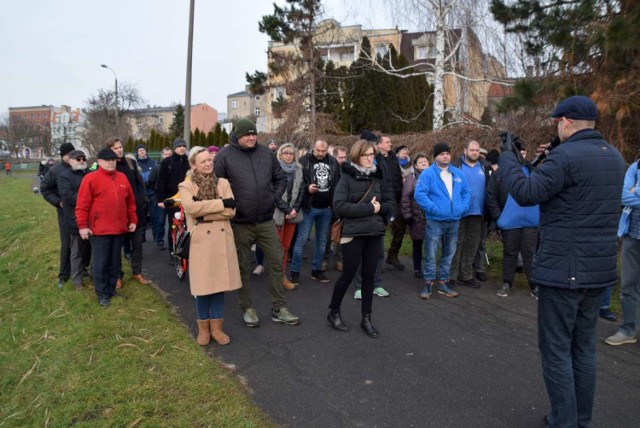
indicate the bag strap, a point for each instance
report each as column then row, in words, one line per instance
column 362, row 198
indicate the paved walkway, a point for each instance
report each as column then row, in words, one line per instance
column 471, row 361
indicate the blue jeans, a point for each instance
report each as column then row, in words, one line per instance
column 630, row 287
column 436, row 232
column 606, row 298
column 106, row 262
column 210, row 306
column 567, row 341
column 158, row 220
column 322, row 218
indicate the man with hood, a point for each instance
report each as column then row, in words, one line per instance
column 257, row 181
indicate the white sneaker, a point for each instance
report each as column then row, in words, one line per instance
column 620, row 339
column 258, row 270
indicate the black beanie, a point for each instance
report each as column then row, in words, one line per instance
column 141, row 146
column 493, row 156
column 440, row 148
column 65, row 149
column 369, row 136
column 178, row 142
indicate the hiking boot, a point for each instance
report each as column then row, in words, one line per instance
column 620, row 339
column 534, row 293
column 250, row 318
column 606, row 314
column 287, row 284
column 295, row 278
column 119, row 283
column 471, row 283
column 426, row 290
column 60, row 284
column 338, row 266
column 324, row 266
column 380, row 292
column 141, row 279
column 258, row 270
column 336, row 322
column 505, row 290
column 393, row 260
column 481, row 276
column 104, row 302
column 284, row 316
column 358, row 294
column 319, row 276
column 445, row 290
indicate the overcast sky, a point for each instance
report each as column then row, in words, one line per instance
column 52, row 50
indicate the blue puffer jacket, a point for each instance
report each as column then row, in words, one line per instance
column 578, row 188
column 432, row 195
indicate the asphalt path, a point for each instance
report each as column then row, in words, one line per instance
column 471, row 361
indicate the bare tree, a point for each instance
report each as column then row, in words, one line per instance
column 101, row 119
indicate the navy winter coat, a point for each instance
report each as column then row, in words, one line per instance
column 578, row 188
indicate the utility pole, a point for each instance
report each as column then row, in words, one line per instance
column 116, row 94
column 187, row 97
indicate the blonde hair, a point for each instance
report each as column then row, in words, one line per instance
column 195, row 151
column 287, row 146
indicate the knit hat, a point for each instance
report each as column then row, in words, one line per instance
column 178, row 142
column 397, row 149
column 106, row 154
column 369, row 136
column 65, row 149
column 577, row 107
column 141, row 146
column 493, row 156
column 213, row 149
column 245, row 127
column 76, row 154
column 440, row 148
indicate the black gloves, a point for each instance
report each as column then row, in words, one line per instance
column 229, row 203
column 511, row 143
column 168, row 203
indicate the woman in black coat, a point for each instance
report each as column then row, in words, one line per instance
column 364, row 199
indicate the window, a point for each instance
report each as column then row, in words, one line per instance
column 346, row 56
column 256, row 111
column 424, row 52
column 279, row 92
column 257, row 97
column 160, row 120
column 234, row 104
column 381, row 50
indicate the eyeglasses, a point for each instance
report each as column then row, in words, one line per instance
column 368, row 155
column 81, row 159
column 342, row 157
column 288, row 153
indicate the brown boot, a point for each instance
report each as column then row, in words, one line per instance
column 204, row 337
column 287, row 284
column 217, row 333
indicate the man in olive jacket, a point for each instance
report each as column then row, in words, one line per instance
column 257, row 181
column 578, row 188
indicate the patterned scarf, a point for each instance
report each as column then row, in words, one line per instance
column 207, row 185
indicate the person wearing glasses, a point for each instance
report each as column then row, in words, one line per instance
column 365, row 201
column 288, row 214
column 213, row 263
column 578, row 187
column 68, row 185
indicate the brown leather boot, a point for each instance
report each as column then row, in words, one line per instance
column 204, row 336
column 216, row 332
column 287, row 284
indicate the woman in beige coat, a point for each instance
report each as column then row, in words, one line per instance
column 213, row 263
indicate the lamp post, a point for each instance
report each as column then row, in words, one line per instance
column 116, row 95
column 187, row 97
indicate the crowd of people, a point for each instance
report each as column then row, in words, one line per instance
column 558, row 219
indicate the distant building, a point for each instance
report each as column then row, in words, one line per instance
column 38, row 131
column 142, row 121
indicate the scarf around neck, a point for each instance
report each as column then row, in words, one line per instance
column 207, row 185
column 289, row 168
column 365, row 171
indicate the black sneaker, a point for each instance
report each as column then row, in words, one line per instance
column 481, row 276
column 471, row 283
column 318, row 275
column 606, row 314
column 534, row 293
column 295, row 278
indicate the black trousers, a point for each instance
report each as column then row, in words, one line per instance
column 366, row 250
column 65, row 248
column 516, row 241
column 398, row 227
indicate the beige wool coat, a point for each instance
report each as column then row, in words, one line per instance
column 213, row 261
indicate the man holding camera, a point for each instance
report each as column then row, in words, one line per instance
column 578, row 189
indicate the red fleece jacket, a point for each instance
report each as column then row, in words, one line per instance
column 106, row 204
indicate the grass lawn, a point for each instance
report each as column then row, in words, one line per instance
column 66, row 361
column 494, row 269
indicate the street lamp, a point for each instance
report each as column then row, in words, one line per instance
column 116, row 96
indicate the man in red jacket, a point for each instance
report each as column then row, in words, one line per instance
column 105, row 212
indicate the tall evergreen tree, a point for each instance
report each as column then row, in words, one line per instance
column 176, row 129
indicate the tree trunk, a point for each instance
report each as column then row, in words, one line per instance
column 438, row 78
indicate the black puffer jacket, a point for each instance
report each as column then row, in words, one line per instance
column 392, row 167
column 68, row 184
column 256, row 179
column 171, row 173
column 579, row 189
column 137, row 185
column 359, row 218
